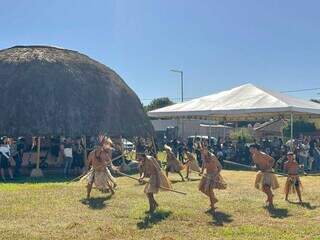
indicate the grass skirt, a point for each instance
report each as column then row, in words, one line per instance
column 266, row 178
column 292, row 182
column 153, row 185
column 174, row 166
column 210, row 182
column 102, row 180
column 193, row 166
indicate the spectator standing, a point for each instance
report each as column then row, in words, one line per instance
column 55, row 148
column 312, row 145
column 4, row 159
column 140, row 148
column 14, row 156
column 316, row 156
column 197, row 150
column 303, row 156
column 180, row 150
column 67, row 155
column 21, row 147
column 78, row 156
column 190, row 145
column 174, row 146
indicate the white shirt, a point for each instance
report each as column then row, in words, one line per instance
column 5, row 150
column 67, row 152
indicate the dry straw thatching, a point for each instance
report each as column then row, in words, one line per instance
column 53, row 91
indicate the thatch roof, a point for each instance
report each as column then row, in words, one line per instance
column 271, row 128
column 52, row 91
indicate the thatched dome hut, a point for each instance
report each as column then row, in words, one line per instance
column 53, row 91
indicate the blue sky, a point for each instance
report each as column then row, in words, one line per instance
column 218, row 44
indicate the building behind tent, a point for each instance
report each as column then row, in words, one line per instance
column 190, row 127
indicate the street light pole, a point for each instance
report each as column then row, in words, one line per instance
column 181, row 79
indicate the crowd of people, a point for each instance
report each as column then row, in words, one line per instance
column 11, row 154
column 21, row 152
column 306, row 149
column 67, row 155
column 70, row 153
column 99, row 165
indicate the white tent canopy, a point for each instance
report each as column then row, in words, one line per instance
column 246, row 102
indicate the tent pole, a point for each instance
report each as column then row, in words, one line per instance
column 237, row 129
column 38, row 154
column 179, row 128
column 84, row 142
column 37, row 172
column 210, row 133
column 182, row 127
column 291, row 131
column 224, row 131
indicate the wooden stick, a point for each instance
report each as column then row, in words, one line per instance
column 83, row 174
column 84, row 142
column 252, row 168
column 154, row 147
column 79, row 177
column 116, row 158
column 164, row 188
column 239, row 164
column 312, row 174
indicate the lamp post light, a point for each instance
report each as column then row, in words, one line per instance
column 181, row 79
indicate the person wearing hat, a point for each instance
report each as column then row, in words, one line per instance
column 265, row 179
column 152, row 170
column 211, row 178
column 99, row 174
column 293, row 183
column 108, row 146
column 191, row 163
column 173, row 164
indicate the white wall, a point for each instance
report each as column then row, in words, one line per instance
column 186, row 127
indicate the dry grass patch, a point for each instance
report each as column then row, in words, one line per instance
column 57, row 210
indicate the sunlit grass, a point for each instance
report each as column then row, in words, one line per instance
column 57, row 210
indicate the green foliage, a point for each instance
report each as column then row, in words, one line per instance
column 158, row 103
column 299, row 127
column 243, row 133
column 315, row 100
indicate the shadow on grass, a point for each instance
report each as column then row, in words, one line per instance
column 193, row 179
column 277, row 212
column 152, row 219
column 96, row 203
column 219, row 218
column 177, row 181
column 306, row 205
column 47, row 179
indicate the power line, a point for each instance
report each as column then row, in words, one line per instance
column 301, row 90
column 284, row 91
column 171, row 98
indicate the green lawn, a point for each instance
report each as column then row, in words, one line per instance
column 56, row 210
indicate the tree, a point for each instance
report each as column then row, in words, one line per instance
column 158, row 103
column 300, row 126
column 315, row 100
column 243, row 133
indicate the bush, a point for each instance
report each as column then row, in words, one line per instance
column 244, row 133
column 299, row 127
